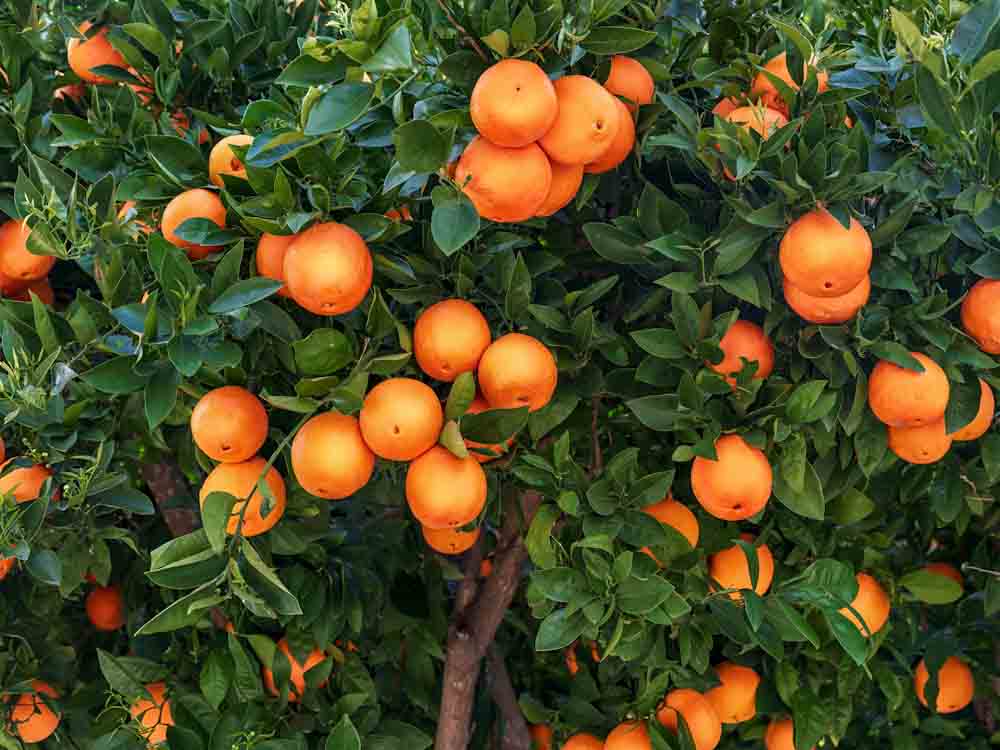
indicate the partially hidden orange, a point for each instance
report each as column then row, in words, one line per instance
column 32, row 719
column 83, row 55
column 629, row 79
column 197, row 203
column 23, row 484
column 922, row 444
column 269, row 259
column 871, row 602
column 586, row 124
column 297, row 680
column 504, row 184
column 901, row 397
column 955, row 685
column 743, row 343
column 222, row 160
column 240, row 481
column 328, row 269
column 105, row 608
column 763, row 88
column 730, row 570
column 629, row 735
column 17, row 262
column 677, row 516
column 981, row 314
column 735, row 700
column 983, row 419
column 699, row 715
column 154, row 714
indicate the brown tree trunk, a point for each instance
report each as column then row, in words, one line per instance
column 514, row 729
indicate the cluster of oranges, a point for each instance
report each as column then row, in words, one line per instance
column 537, row 137
column 22, row 271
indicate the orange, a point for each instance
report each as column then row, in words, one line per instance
column 905, row 398
column 983, row 419
column 450, row 541
column 517, row 370
column 330, row 459
column 297, row 681
column 127, row 213
column 106, row 608
column 154, row 716
column 629, row 735
column 270, row 257
column 240, row 480
column 449, row 338
column 504, row 184
column 566, row 181
column 745, row 341
column 981, row 314
column 823, row 259
column 737, row 485
column 955, row 685
column 675, row 515
column 762, row 87
column 481, row 451
column 328, row 269
column 17, row 262
column 621, row 145
column 541, row 736
column 780, row 735
column 10, row 287
column 725, row 105
column 31, row 718
column 871, row 602
column 513, row 103
column 23, row 484
column 74, row 92
column 630, row 80
column 729, row 568
column 761, row 120
column 443, row 490
column 827, row 310
column 83, row 55
column 587, row 122
column 583, row 741
column 401, row 418
column 486, row 568
column 923, row 444
column 41, row 288
column 193, row 204
column 572, row 664
column 182, row 124
column 946, row 570
column 699, row 715
column 735, row 700
column 222, row 160
column 229, row 424
column 399, row 214
column 7, row 564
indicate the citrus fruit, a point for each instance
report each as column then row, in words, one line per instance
column 182, row 124
column 449, row 337
column 629, row 735
column 541, row 736
column 586, row 124
column 629, row 79
column 85, row 54
column 900, row 397
column 31, row 717
column 443, row 490
column 871, row 602
column 821, row 258
column 41, row 288
column 981, row 314
column 946, row 570
column 730, row 570
column 513, row 103
column 481, row 451
column 677, row 516
column 11, row 287
column 725, row 105
column 504, row 184
column 17, row 262
column 486, row 568
column 106, row 608
column 699, row 715
column 127, row 214
column 566, row 181
column 73, row 92
column 955, row 685
column 572, row 663
column 583, row 741
column 923, row 444
column 827, row 310
column 297, row 681
column 517, row 370
column 223, row 160
column 735, row 700
column 763, row 88
column 240, row 480
column 780, row 735
column 23, row 484
column 401, row 418
column 745, row 341
column 450, row 541
column 735, row 486
column 330, row 459
column 193, row 204
column 762, row 120
column 154, row 714
column 983, row 419
column 229, row 424
column 270, row 257
column 621, row 144
column 7, row 564
column 399, row 214
column 328, row 269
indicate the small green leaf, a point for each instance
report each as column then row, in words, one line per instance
column 244, row 293
column 344, row 736
column 614, row 40
column 420, row 147
column 215, row 515
column 931, row 587
column 462, row 393
column 339, row 107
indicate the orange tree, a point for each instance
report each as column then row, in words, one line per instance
column 582, row 374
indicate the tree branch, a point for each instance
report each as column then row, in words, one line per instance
column 514, row 729
column 459, row 28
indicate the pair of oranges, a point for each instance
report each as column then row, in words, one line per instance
column 22, row 272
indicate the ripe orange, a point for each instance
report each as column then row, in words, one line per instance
column 328, row 269
column 823, row 259
column 621, row 145
column 443, row 490
column 541, row 736
column 572, row 663
column 10, row 287
column 399, row 214
column 699, row 715
column 23, row 484
column 946, row 570
column 450, row 541
column 504, row 184
column 730, row 570
column 725, row 105
column 763, row 89
column 566, row 181
column 7, row 564
column 106, row 608
column 229, row 424
column 270, row 257
column 481, row 451
column 31, row 718
column 222, row 160
column 513, row 103
column 83, row 55
column 905, row 398
column 41, row 288
column 74, row 92
column 17, row 262
column 827, row 310
column 780, row 735
column 330, row 459
column 923, row 444
column 449, row 337
column 587, row 122
column 240, row 480
column 486, row 568
column 871, row 602
column 983, row 419
column 761, row 120
column 583, row 741
column 154, row 716
column 672, row 513
column 193, row 204
column 737, row 485
column 981, row 314
column 629, row 735
column 297, row 681
column 401, row 418
column 735, row 700
column 955, row 685
column 517, row 370
column 745, row 341
column 126, row 214
column 630, row 80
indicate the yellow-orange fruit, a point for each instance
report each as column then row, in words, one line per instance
column 126, row 214
column 270, row 257
column 41, row 288
column 504, row 184
column 823, row 259
column 955, row 685
column 401, row 418
column 737, row 485
column 827, row 310
column 193, row 204
column 923, row 444
column 483, row 452
column 517, row 370
column 17, row 262
column 780, row 735
column 223, row 160
column 762, row 120
column 729, row 568
column 745, row 341
column 629, row 735
column 297, row 681
column 7, row 564
column 449, row 337
column 240, row 480
column 513, row 103
column 572, row 663
column 24, row 484
column 583, row 741
column 984, row 417
column 30, row 717
column 541, row 736
column 85, row 54
column 735, row 700
column 699, row 715
column 328, row 269
column 330, row 459
column 871, row 602
column 443, row 490
column 981, row 314
column 906, row 398
column 399, row 214
column 229, row 424
column 629, row 79
column 154, row 715
column 450, row 541
column 946, row 570
column 725, row 105
column 486, row 568
column 182, row 124
column 587, row 122
column 621, row 145
column 566, row 181
column 106, row 608
column 73, row 92
column 764, row 89
column 677, row 516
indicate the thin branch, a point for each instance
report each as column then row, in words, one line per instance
column 514, row 729
column 598, row 465
column 461, row 29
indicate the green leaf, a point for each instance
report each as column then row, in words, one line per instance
column 494, row 425
column 638, row 596
column 125, row 498
column 322, row 352
column 344, row 736
column 615, row 245
column 897, row 354
column 45, row 566
column 963, row 404
column 546, row 419
column 522, row 33
column 339, row 107
column 931, row 587
column 613, row 40
column 462, row 393
column 215, row 678
column 810, row 502
column 306, row 70
column 538, row 540
column 559, row 630
column 246, row 675
column 852, row 506
column 44, row 328
column 177, row 159
column 849, row 637
column 937, row 102
column 181, row 613
column 215, row 514
column 658, row 413
column 161, row 395
column 663, row 343
column 420, row 147
column 119, row 679
column 265, row 581
column 396, row 52
column 454, row 221
column 116, row 376
column 244, row 293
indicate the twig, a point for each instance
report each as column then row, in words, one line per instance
column 514, row 729
column 458, row 27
